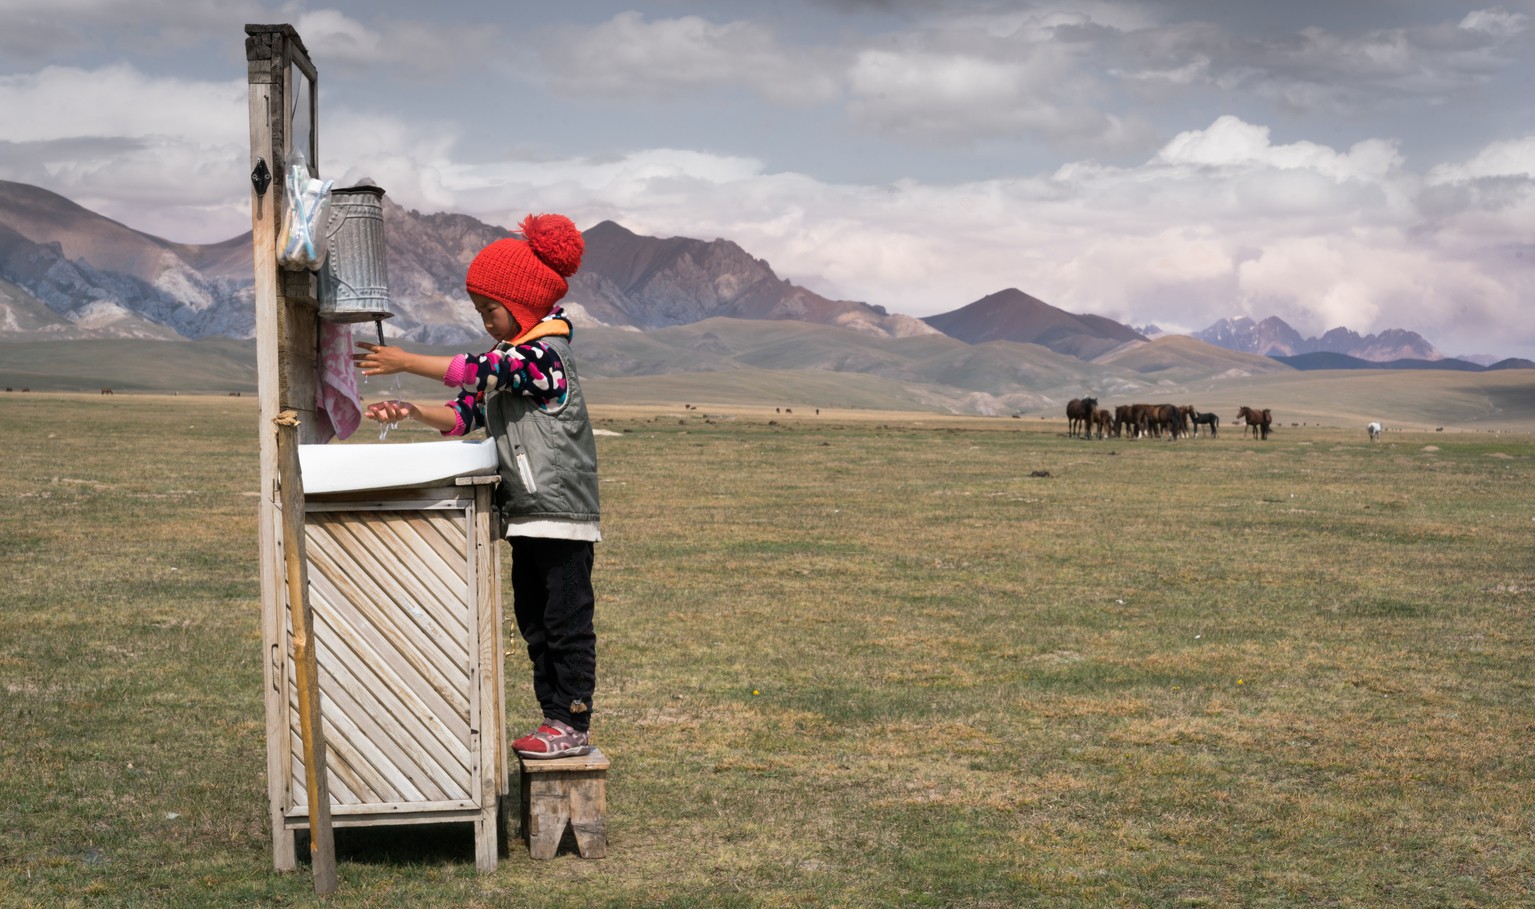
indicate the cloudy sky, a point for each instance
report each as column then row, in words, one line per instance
column 1367, row 164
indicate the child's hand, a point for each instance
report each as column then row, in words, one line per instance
column 381, row 360
column 390, row 411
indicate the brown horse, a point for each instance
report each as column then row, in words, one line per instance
column 1167, row 418
column 1140, row 419
column 1122, row 419
column 1257, row 420
column 1079, row 415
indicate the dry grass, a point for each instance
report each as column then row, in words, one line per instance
column 847, row 660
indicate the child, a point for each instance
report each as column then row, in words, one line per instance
column 526, row 395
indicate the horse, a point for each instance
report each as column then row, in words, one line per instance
column 1079, row 413
column 1166, row 416
column 1140, row 419
column 1124, row 418
column 1257, row 420
column 1105, row 420
column 1210, row 420
column 1374, row 430
column 106, row 391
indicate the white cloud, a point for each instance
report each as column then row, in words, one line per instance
column 956, row 87
column 335, row 37
column 164, row 155
column 1317, row 70
column 1504, row 158
column 632, row 57
column 401, row 49
column 51, row 29
column 1498, row 22
column 118, row 100
column 1041, row 21
column 1231, row 142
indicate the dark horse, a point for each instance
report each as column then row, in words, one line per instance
column 1256, row 420
column 1079, row 412
column 1211, row 420
column 1165, row 417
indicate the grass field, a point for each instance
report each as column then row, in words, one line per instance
column 846, row 660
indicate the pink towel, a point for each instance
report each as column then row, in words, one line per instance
column 338, row 408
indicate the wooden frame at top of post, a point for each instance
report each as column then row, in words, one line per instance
column 283, row 95
column 276, row 56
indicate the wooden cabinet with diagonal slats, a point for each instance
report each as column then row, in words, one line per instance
column 403, row 584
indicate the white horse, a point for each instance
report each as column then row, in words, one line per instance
column 1374, row 430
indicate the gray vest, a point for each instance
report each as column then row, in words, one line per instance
column 548, row 459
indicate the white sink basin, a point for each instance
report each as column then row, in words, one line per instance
column 347, row 468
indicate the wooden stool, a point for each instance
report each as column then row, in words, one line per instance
column 565, row 790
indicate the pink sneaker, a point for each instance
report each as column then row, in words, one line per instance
column 553, row 739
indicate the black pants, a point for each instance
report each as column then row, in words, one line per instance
column 553, row 601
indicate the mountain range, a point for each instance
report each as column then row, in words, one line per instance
column 69, row 274
column 1273, row 337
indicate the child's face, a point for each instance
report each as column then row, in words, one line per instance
column 498, row 320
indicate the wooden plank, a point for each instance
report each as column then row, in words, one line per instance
column 420, row 498
column 372, row 533
column 387, row 811
column 486, row 713
column 343, row 763
column 409, row 540
column 438, row 751
column 379, row 759
column 390, row 812
column 591, row 761
column 433, row 542
column 387, row 692
column 589, row 816
column 322, row 843
column 443, row 538
column 386, row 557
column 394, row 697
column 302, row 286
column 347, row 786
column 488, row 581
column 390, row 629
column 448, row 705
column 264, row 250
column 396, row 756
column 413, row 611
column 300, row 368
column 440, row 609
column 446, row 541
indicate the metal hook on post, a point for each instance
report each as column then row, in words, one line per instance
column 261, row 177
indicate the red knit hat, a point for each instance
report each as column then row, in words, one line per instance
column 527, row 276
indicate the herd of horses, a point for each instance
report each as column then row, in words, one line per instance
column 1086, row 419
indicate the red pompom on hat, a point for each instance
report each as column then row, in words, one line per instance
column 527, row 276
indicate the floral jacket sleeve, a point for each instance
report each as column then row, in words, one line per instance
column 532, row 369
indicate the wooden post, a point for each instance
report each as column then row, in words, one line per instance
column 278, row 67
column 322, row 841
column 489, row 710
